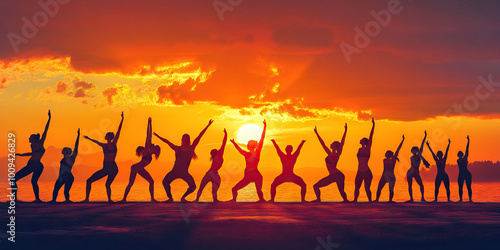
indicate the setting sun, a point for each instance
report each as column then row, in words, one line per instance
column 248, row 132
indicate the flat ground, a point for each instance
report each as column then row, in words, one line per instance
column 255, row 226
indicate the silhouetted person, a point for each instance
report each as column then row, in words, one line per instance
column 414, row 171
column 441, row 174
column 464, row 174
column 388, row 174
column 364, row 174
column 252, row 158
column 65, row 176
column 146, row 153
column 34, row 165
column 288, row 162
column 217, row 158
column 332, row 158
column 109, row 169
column 183, row 156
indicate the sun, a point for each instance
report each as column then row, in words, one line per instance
column 248, row 132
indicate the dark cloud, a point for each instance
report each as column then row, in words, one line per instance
column 425, row 61
column 303, row 37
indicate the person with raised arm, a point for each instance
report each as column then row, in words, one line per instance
column 332, row 158
column 288, row 161
column 65, row 176
column 364, row 173
column 146, row 153
column 34, row 165
column 414, row 171
column 252, row 158
column 109, row 168
column 183, row 156
column 388, row 174
column 441, row 176
column 217, row 158
column 464, row 174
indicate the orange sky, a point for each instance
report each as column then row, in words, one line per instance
column 180, row 64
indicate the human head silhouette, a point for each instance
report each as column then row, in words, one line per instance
column 66, row 151
column 139, row 151
column 389, row 154
column 109, row 136
column 213, row 154
column 460, row 154
column 289, row 149
column 335, row 146
column 155, row 150
column 252, row 144
column 34, row 138
column 364, row 142
column 415, row 150
column 186, row 140
column 439, row 154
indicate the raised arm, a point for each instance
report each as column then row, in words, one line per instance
column 223, row 146
column 243, row 152
column 339, row 151
column 432, row 152
column 297, row 151
column 399, row 147
column 44, row 135
column 327, row 150
column 115, row 140
column 94, row 141
column 447, row 148
column 148, row 135
column 423, row 141
column 197, row 140
column 75, row 150
column 467, row 148
column 280, row 153
column 172, row 146
column 371, row 134
column 261, row 142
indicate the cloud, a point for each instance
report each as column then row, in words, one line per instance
column 61, row 87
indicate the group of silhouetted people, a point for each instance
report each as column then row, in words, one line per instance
column 186, row 152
